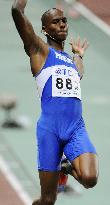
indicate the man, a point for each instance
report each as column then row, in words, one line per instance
column 61, row 128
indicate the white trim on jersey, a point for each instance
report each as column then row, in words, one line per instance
column 65, row 81
column 42, row 78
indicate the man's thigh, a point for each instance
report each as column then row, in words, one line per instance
column 79, row 144
column 49, row 150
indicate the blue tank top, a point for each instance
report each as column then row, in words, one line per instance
column 58, row 84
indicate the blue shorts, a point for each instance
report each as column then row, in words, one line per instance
column 51, row 146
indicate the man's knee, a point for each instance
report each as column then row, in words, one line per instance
column 36, row 202
column 89, row 180
column 49, row 200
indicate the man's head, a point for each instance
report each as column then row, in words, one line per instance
column 54, row 24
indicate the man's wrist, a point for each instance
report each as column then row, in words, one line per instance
column 77, row 55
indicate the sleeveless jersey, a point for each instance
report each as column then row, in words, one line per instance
column 58, row 84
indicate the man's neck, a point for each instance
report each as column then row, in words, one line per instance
column 56, row 45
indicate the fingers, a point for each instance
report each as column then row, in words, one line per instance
column 73, row 44
column 71, row 41
column 85, row 44
column 78, row 41
column 78, row 46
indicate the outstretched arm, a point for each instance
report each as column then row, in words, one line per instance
column 32, row 43
column 79, row 49
column 34, row 46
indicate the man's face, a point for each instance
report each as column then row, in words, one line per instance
column 56, row 25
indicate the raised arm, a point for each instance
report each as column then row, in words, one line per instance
column 79, row 49
column 33, row 44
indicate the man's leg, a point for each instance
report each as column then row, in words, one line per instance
column 82, row 154
column 49, row 157
column 48, row 182
column 85, row 169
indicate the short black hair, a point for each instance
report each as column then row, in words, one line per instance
column 44, row 16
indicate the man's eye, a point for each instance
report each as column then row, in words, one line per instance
column 58, row 20
column 64, row 20
column 55, row 22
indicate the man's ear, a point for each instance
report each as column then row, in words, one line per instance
column 43, row 30
column 43, row 27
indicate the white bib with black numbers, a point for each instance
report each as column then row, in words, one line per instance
column 65, row 82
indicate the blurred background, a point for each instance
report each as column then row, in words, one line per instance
column 20, row 105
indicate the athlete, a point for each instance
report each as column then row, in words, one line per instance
column 60, row 128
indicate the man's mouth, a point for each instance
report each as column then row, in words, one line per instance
column 62, row 32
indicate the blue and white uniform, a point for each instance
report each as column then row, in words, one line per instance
column 60, row 128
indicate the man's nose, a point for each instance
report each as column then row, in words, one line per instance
column 62, row 24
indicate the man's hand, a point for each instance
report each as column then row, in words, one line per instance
column 19, row 4
column 79, row 47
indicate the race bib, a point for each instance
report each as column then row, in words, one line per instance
column 65, row 82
